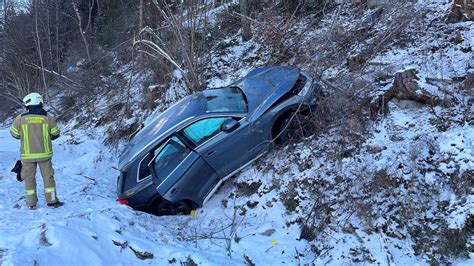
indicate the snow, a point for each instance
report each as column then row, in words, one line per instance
column 91, row 227
column 227, row 65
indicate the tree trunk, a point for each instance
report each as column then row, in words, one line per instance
column 49, row 35
column 81, row 30
column 56, row 11
column 140, row 22
column 4, row 23
column 245, row 12
column 40, row 53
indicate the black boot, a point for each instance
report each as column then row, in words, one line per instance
column 56, row 204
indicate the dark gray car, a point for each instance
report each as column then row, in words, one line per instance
column 179, row 159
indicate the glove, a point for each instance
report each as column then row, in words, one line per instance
column 17, row 169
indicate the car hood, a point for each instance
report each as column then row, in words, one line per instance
column 264, row 86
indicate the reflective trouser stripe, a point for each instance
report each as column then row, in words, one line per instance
column 54, row 130
column 26, row 141
column 30, row 192
column 14, row 131
column 51, row 190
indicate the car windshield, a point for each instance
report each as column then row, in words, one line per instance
column 225, row 100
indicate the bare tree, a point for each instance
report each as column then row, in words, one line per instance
column 179, row 41
column 81, row 29
column 40, row 53
column 56, row 21
column 140, row 21
column 245, row 12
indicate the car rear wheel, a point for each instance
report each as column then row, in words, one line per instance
column 293, row 126
column 164, row 207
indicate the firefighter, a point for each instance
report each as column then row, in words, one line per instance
column 35, row 130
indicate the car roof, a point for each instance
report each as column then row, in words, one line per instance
column 163, row 125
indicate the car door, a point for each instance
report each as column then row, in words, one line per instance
column 181, row 173
column 224, row 151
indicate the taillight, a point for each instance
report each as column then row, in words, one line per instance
column 122, row 201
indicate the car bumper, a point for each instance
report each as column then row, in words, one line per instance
column 138, row 196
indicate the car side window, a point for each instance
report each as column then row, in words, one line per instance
column 202, row 130
column 168, row 156
column 143, row 169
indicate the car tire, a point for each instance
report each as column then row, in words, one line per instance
column 165, row 207
column 294, row 126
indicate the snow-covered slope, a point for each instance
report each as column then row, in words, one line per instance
column 92, row 228
column 245, row 221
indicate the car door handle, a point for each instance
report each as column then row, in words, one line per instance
column 210, row 153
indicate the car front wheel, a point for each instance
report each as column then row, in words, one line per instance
column 164, row 207
column 294, row 126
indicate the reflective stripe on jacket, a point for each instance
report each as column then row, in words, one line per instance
column 35, row 132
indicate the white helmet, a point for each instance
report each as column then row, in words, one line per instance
column 33, row 99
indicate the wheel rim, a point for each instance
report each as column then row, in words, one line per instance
column 180, row 208
column 164, row 209
column 172, row 208
column 295, row 128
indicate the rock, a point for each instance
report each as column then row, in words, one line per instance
column 251, row 204
column 142, row 255
column 268, row 232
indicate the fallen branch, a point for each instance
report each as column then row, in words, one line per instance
column 53, row 73
column 433, row 80
column 332, row 85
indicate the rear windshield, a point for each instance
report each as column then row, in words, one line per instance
column 225, row 100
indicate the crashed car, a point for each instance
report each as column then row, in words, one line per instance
column 182, row 156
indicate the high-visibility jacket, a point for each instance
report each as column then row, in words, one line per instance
column 35, row 132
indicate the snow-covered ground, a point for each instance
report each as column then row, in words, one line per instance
column 240, row 224
column 92, row 228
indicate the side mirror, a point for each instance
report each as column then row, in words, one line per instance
column 229, row 125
